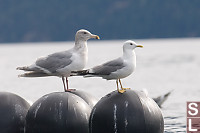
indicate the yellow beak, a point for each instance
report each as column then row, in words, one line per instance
column 95, row 37
column 139, row 46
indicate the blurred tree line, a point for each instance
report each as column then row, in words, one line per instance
column 58, row 20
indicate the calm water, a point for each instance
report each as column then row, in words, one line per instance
column 162, row 65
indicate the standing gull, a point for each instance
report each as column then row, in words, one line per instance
column 115, row 69
column 62, row 63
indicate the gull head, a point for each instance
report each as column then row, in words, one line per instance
column 85, row 35
column 131, row 45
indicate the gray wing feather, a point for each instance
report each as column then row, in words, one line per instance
column 108, row 67
column 55, row 61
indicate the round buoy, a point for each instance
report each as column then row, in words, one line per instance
column 13, row 110
column 89, row 99
column 130, row 112
column 59, row 112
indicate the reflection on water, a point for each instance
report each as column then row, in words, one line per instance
column 172, row 126
column 162, row 65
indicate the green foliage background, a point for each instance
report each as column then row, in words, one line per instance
column 58, row 20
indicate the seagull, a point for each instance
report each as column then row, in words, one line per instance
column 115, row 69
column 62, row 63
column 161, row 99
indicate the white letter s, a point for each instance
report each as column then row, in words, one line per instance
column 193, row 108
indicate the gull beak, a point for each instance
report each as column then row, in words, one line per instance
column 139, row 46
column 95, row 37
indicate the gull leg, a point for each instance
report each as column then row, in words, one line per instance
column 67, row 83
column 122, row 86
column 117, row 85
column 120, row 91
column 63, row 79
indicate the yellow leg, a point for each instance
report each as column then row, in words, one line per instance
column 120, row 91
column 122, row 86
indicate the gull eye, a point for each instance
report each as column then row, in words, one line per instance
column 84, row 32
column 131, row 44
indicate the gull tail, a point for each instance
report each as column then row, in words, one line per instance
column 84, row 73
column 80, row 73
column 161, row 99
column 34, row 74
column 25, row 68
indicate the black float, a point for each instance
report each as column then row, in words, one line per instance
column 60, row 112
column 13, row 110
column 130, row 112
column 89, row 99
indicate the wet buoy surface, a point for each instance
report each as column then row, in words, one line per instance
column 130, row 112
column 59, row 112
column 89, row 99
column 13, row 110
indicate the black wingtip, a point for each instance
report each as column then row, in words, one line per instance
column 80, row 73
